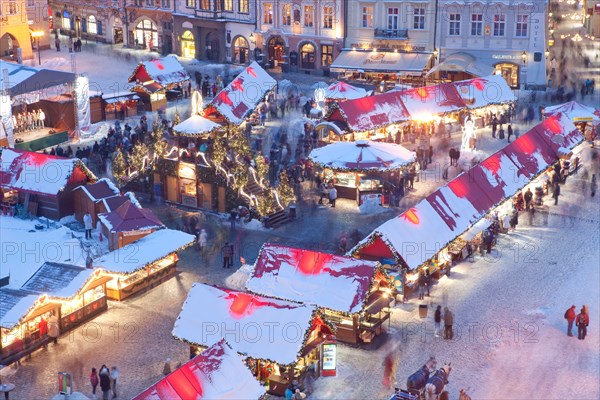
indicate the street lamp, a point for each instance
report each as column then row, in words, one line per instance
column 524, row 57
column 547, row 52
column 435, row 53
column 252, row 38
column 37, row 35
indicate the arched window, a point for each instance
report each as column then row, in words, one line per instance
column 92, row 27
column 146, row 34
column 307, row 55
column 241, row 50
column 188, row 45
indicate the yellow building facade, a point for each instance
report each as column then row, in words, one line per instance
column 14, row 31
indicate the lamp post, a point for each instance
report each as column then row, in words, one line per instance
column 37, row 35
column 524, row 60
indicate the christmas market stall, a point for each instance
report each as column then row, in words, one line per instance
column 40, row 184
column 586, row 118
column 127, row 224
column 88, row 198
column 218, row 373
column 280, row 339
column 425, row 103
column 359, row 305
column 122, row 106
column 359, row 169
column 144, row 263
column 364, row 118
column 341, row 91
column 154, row 78
column 69, row 293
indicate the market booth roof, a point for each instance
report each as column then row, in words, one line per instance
column 378, row 61
column 425, row 101
column 218, row 373
column 368, row 113
column 164, row 71
column 242, row 95
column 575, row 111
column 481, row 92
column 145, row 251
column 129, row 217
column 23, row 79
column 463, row 62
column 339, row 283
column 344, row 91
column 40, row 173
column 227, row 311
column 363, row 155
column 196, row 125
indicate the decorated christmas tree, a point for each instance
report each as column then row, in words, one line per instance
column 285, row 189
column 119, row 168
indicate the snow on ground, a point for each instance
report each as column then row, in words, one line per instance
column 510, row 335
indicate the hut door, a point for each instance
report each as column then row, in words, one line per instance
column 172, row 193
column 221, row 199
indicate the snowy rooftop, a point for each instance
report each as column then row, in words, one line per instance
column 195, row 125
column 218, row 373
column 344, row 91
column 164, row 71
column 339, row 283
column 255, row 326
column 363, row 154
column 128, row 217
column 14, row 304
column 427, row 100
column 36, row 172
column 144, row 251
column 574, row 111
column 242, row 95
column 102, row 189
column 481, row 92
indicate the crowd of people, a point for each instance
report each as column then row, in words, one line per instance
column 107, row 379
column 29, row 120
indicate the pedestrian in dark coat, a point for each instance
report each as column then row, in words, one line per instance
column 437, row 319
column 104, row 376
column 556, row 193
column 570, row 317
column 428, row 279
column 594, row 185
column 509, row 132
column 528, row 196
column 494, row 126
column 422, row 280
column 227, row 252
column 448, row 322
column 583, row 320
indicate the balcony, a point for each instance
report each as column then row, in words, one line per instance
column 391, row 33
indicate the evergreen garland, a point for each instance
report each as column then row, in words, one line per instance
column 262, row 168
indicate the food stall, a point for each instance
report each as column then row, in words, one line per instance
column 73, row 294
column 358, row 308
column 156, row 264
column 215, row 374
column 121, row 107
column 276, row 357
column 359, row 169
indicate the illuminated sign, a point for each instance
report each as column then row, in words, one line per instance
column 329, row 359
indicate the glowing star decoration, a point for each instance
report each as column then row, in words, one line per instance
column 412, row 216
column 251, row 71
column 158, row 64
column 197, row 103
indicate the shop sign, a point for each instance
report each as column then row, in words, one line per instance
column 329, row 364
column 371, row 199
column 65, row 385
column 504, row 57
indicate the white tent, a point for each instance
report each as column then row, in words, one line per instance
column 195, row 125
column 363, row 154
column 344, row 91
column 575, row 111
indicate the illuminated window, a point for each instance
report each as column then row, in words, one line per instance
column 308, row 16
column 328, row 17
column 367, row 17
column 268, row 13
column 91, row 25
column 286, row 14
column 244, row 6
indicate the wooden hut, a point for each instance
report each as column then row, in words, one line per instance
column 89, row 198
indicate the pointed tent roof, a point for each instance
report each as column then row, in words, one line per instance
column 196, row 125
column 575, row 111
column 217, row 373
column 344, row 91
column 129, row 217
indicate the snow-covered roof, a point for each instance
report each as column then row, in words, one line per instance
column 55, row 277
column 431, row 100
column 301, row 275
column 363, row 155
column 144, row 251
column 218, row 373
column 164, row 71
column 102, row 189
column 242, row 95
column 344, row 91
column 559, row 131
column 23, row 79
column 530, row 153
column 480, row 92
column 128, row 217
column 368, row 113
column 18, row 237
column 255, row 326
column 196, row 125
column 457, row 212
column 14, row 305
column 38, row 172
column 574, row 111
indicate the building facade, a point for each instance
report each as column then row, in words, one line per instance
column 150, row 25
column 215, row 30
column 39, row 20
column 15, row 36
column 507, row 37
column 591, row 17
column 307, row 34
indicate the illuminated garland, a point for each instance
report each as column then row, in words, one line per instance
column 119, row 168
column 285, row 189
column 405, row 167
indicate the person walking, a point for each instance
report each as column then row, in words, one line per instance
column 570, row 317
column 57, row 43
column 556, row 193
column 87, row 222
column 594, row 185
column 202, row 242
column 233, row 214
column 583, row 320
column 227, row 252
column 528, row 196
column 421, row 286
column 114, row 376
column 332, row 196
column 70, row 43
column 104, row 376
column 437, row 320
column 509, row 132
column 494, row 125
column 43, row 329
column 94, row 380
column 428, row 279
column 448, row 322
column 53, row 328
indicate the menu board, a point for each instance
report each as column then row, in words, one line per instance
column 329, row 356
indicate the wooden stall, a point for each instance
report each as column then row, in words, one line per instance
column 151, row 266
column 275, row 358
column 68, row 294
column 89, row 198
column 358, row 308
column 121, row 107
column 44, row 183
column 127, row 224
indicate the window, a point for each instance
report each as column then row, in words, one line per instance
column 91, row 25
column 286, row 14
column 326, row 55
column 327, row 17
column 244, row 6
column 12, row 8
column 190, row 3
column 522, row 20
column 476, row 24
column 393, row 15
column 166, row 3
column 454, row 24
column 308, row 16
column 268, row 13
column 30, row 3
column 499, row 24
column 297, row 15
column 149, row 3
column 228, row 5
column 66, row 23
column 419, row 18
column 204, row 4
column 367, row 17
column 307, row 55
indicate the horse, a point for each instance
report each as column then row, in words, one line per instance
column 434, row 389
column 418, row 380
